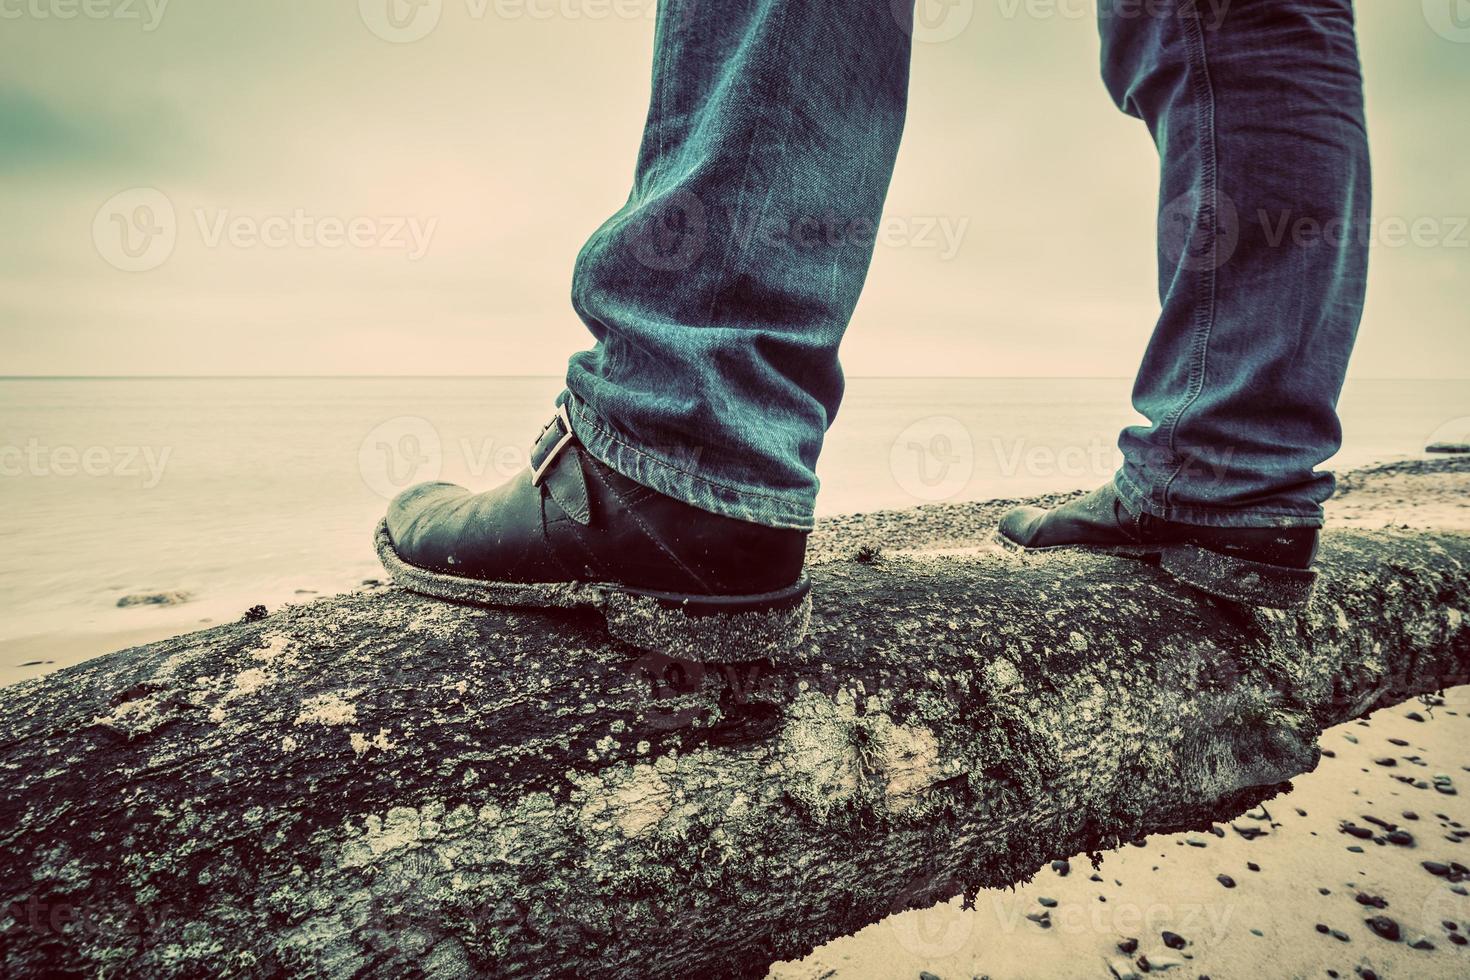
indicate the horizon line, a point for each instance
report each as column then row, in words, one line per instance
column 534, row 377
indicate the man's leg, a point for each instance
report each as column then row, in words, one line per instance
column 720, row 291
column 1257, row 110
column 675, row 486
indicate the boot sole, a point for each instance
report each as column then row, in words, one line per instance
column 707, row 628
column 1237, row 579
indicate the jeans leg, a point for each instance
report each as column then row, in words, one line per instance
column 719, row 292
column 1257, row 110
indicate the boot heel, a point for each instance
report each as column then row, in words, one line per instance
column 1251, row 582
column 690, row 631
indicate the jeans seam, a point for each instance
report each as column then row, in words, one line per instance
column 662, row 464
column 1204, row 94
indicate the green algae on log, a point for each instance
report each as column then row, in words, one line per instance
column 379, row 783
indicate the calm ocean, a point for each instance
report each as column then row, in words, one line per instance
column 245, row 491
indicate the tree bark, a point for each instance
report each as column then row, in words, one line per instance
column 381, row 783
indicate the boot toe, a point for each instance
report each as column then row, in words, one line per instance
column 1019, row 525
column 413, row 512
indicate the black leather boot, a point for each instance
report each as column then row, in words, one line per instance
column 1261, row 566
column 569, row 531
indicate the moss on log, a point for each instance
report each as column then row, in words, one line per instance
column 379, row 783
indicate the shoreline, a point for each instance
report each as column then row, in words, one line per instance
column 1425, row 493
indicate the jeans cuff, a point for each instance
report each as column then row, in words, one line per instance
column 1140, row 501
column 644, row 467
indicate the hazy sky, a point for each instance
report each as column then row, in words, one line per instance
column 346, row 203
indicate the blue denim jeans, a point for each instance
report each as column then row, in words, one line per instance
column 719, row 293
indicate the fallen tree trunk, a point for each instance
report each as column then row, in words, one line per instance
column 381, row 783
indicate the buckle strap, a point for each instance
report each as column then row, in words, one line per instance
column 554, row 437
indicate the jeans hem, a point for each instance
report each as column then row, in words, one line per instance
column 1140, row 501
column 639, row 465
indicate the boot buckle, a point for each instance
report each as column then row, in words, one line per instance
column 543, row 454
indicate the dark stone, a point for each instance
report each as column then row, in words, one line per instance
column 1353, row 830
column 1253, row 866
column 1436, row 869
column 1384, row 927
column 1322, row 928
column 1050, row 903
column 1173, row 940
column 1225, row 880
column 1129, row 945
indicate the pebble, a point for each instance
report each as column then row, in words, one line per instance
column 1410, row 815
column 926, row 975
column 1377, row 901
column 1042, row 919
column 1050, row 903
column 1225, row 880
column 1322, row 928
column 1414, row 716
column 1421, row 942
column 1436, row 869
column 1129, row 945
column 1400, row 837
column 1253, row 866
column 1341, row 936
column 1398, row 741
column 1383, row 926
column 1061, row 867
column 1355, row 849
column 1386, row 761
column 1353, row 830
column 1173, row 940
column 1458, row 938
